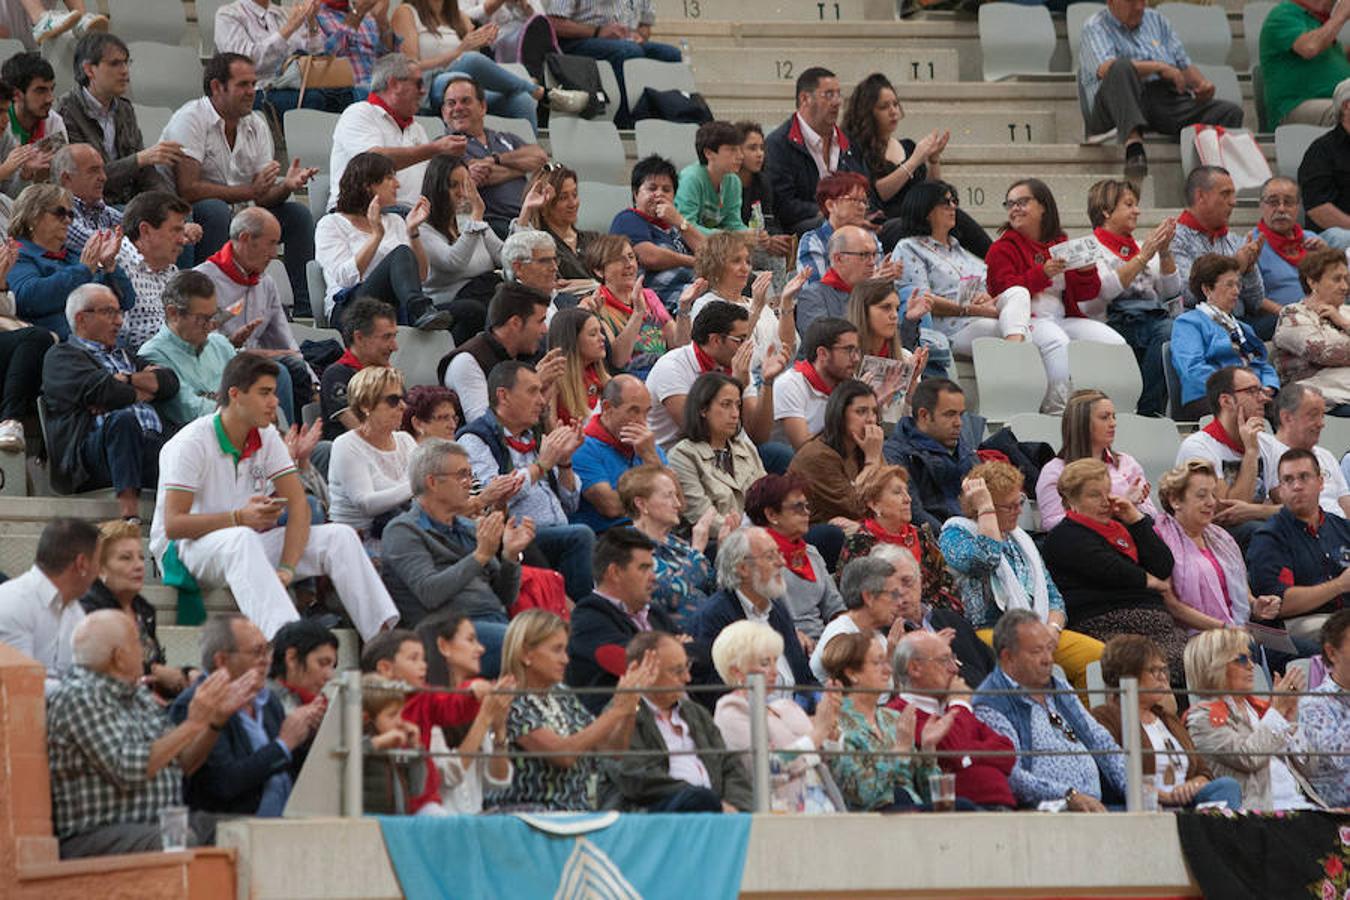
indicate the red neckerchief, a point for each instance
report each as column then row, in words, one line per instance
column 813, row 377
column 591, row 376
column 304, row 695
column 339, row 5
column 794, row 555
column 252, row 444
column 706, row 363
column 1191, row 221
column 1220, row 434
column 518, row 445
column 595, row 429
column 1320, row 15
column 55, row 254
column 1122, row 245
column 1116, row 534
column 349, row 359
column 225, row 261
column 659, row 223
column 376, row 100
column 1036, row 251
column 885, row 351
column 907, row 537
column 614, row 302
column 1289, row 247
column 831, row 279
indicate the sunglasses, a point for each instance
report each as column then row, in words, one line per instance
column 1243, row 659
column 392, row 400
column 1064, row 727
column 63, row 212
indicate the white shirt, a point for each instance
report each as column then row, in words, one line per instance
column 34, row 621
column 793, row 397
column 466, row 378
column 1171, row 763
column 765, row 333
column 1226, row 461
column 336, row 242
column 258, row 301
column 838, row 625
column 200, row 129
column 365, row 481
column 1334, row 486
column 364, row 126
column 815, row 145
column 255, row 31
column 1284, row 790
column 673, row 376
column 194, row 460
column 675, row 732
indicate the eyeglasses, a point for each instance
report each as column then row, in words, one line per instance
column 1243, row 659
column 107, row 312
column 869, row 255
column 393, row 401
column 1298, row 478
column 857, row 201
column 1250, row 389
column 199, row 318
column 1291, row 202
column 543, row 260
column 1017, row 202
column 465, row 474
column 736, row 339
column 949, row 200
column 1064, row 727
column 853, row 350
column 774, row 556
column 443, row 417
column 63, row 212
column 801, row 506
column 949, row 661
column 1013, row 505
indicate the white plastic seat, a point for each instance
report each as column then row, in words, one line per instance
column 1291, row 142
column 166, row 75
column 318, row 189
column 151, row 120
column 1096, row 685
column 1203, row 30
column 1253, row 18
column 309, row 136
column 432, row 125
column 1226, row 85
column 673, row 140
column 1110, row 368
column 590, row 147
column 519, row 127
column 318, row 291
column 165, row 23
column 1015, row 40
column 600, row 203
column 419, row 353
column 1009, row 376
column 206, row 26
column 276, row 270
column 1074, row 17
column 1335, row 435
column 639, row 74
column 1034, row 426
column 1152, row 442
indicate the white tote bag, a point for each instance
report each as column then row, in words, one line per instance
column 1235, row 151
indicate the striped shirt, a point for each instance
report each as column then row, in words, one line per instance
column 1104, row 38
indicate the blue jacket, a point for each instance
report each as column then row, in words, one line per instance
column 1284, row 554
column 935, row 472
column 41, row 285
column 1200, row 348
column 722, row 609
column 1017, row 710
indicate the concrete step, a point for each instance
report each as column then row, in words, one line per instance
column 98, row 509
column 670, row 11
column 904, row 63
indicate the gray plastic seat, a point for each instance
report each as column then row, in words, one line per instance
column 165, row 23
column 1010, row 378
column 1074, row 17
column 519, row 127
column 1203, row 30
column 309, row 136
column 1291, row 142
column 1151, row 441
column 318, row 188
column 419, row 353
column 639, row 74
column 1015, row 40
column 1110, row 368
column 151, row 120
column 600, row 203
column 1253, row 17
column 1034, row 426
column 673, row 140
column 590, row 147
column 318, row 291
column 166, row 75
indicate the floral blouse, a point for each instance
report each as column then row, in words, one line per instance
column 870, row 782
column 974, row 557
column 1312, row 351
column 939, row 589
column 538, row 784
column 684, row 579
column 651, row 340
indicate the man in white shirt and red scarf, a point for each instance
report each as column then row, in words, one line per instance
column 831, row 351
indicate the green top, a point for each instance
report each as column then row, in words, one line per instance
column 702, row 204
column 198, row 372
column 1291, row 79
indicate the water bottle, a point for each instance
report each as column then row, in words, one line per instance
column 684, row 50
column 757, row 216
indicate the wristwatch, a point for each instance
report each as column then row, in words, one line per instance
column 1070, row 794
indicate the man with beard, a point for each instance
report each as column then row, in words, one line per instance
column 750, row 578
column 33, row 132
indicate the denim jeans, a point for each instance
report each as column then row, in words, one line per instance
column 491, row 634
column 297, row 234
column 1146, row 331
column 118, row 451
column 569, row 549
column 397, row 281
column 323, row 99
column 507, row 94
column 615, row 52
column 1223, row 789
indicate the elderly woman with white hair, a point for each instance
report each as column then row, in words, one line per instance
column 1250, row 739
column 43, row 275
column 802, row 783
column 872, row 588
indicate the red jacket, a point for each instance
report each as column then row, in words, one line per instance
column 1017, row 261
column 430, row 708
column 984, row 779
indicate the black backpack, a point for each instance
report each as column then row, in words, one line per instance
column 672, row 106
column 579, row 73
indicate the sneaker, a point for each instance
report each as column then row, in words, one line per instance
column 11, row 436
column 434, row 320
column 1136, row 162
column 90, row 22
column 52, row 24
column 560, row 100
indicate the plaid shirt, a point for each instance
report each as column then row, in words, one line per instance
column 99, row 732
column 118, row 362
column 1104, row 37
column 629, row 13
column 361, row 45
column 1189, row 245
column 89, row 217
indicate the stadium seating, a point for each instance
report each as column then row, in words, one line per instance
column 170, row 75
column 590, row 147
column 1152, row 442
column 1010, row 377
column 1291, row 142
column 673, row 140
column 1203, row 30
column 1015, row 40
column 309, row 136
column 1034, row 426
column 1110, row 368
column 161, row 22
column 640, row 74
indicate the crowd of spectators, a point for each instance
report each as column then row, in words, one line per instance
column 645, row 466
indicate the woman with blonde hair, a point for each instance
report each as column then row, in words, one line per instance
column 578, row 333
column 1209, row 580
column 1088, row 428
column 724, row 263
column 368, row 468
column 747, row 648
column 1251, row 740
column 997, row 566
column 548, row 718
column 1110, row 564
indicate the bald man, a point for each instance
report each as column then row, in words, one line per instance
column 115, row 760
column 617, row 439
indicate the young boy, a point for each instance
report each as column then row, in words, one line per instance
column 390, row 781
column 398, row 654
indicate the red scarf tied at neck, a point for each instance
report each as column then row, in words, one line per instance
column 348, row 358
column 813, row 377
column 833, row 279
column 1220, row 434
column 595, row 429
column 1321, row 15
column 225, row 261
column 907, row 536
column 1191, row 221
column 706, row 363
column 1290, row 246
column 401, row 121
column 1122, row 245
column 1115, row 533
column 614, row 302
column 794, row 555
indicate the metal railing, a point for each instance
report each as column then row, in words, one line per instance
column 350, row 752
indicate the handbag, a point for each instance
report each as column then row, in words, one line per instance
column 1235, row 151
column 305, row 70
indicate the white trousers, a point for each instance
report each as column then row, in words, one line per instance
column 246, row 561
